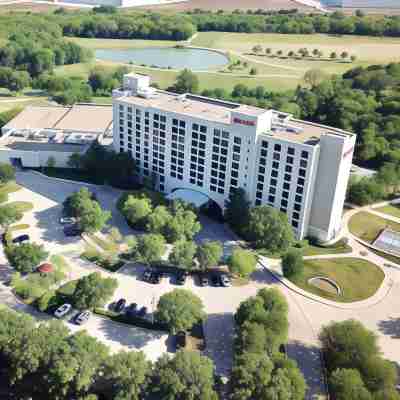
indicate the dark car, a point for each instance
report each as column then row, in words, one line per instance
column 147, row 274
column 215, row 280
column 155, row 277
column 120, row 305
column 21, row 239
column 72, row 230
column 142, row 312
column 225, row 280
column 82, row 317
column 180, row 340
column 181, row 278
column 131, row 309
column 203, row 280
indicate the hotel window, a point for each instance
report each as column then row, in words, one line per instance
column 263, row 153
column 203, row 129
column 277, row 156
column 297, row 207
column 237, row 140
column 277, row 147
column 290, row 151
column 264, row 144
column 302, row 172
column 300, row 181
column 288, row 168
column 272, row 190
column 289, row 160
column 285, row 195
column 271, row 199
column 298, row 198
column 304, row 154
column 295, row 215
column 295, row 224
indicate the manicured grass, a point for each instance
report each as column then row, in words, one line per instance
column 106, row 245
column 22, row 206
column 59, row 261
column 337, row 248
column 391, row 209
column 93, row 43
column 367, row 226
column 358, row 279
column 10, row 187
column 67, row 289
column 18, row 227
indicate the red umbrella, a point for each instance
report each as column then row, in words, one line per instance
column 45, row 268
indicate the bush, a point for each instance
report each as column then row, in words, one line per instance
column 242, row 262
column 292, row 263
column 46, row 300
column 7, row 173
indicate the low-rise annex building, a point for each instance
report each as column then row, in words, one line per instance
column 37, row 134
column 214, row 146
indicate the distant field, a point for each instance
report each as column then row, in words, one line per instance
column 121, row 43
column 208, row 80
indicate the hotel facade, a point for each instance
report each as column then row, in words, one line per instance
column 213, row 147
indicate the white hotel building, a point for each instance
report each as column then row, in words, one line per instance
column 214, row 146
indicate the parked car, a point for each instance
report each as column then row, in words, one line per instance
column 62, row 310
column 203, row 280
column 120, row 305
column 67, row 220
column 155, row 277
column 215, row 280
column 225, row 280
column 20, row 239
column 131, row 309
column 147, row 274
column 82, row 317
column 181, row 278
column 142, row 312
column 180, row 340
column 72, row 230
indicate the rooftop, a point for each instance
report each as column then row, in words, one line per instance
column 78, row 118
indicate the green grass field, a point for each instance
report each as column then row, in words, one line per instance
column 358, row 279
column 367, row 226
column 337, row 248
column 392, row 209
column 92, row 43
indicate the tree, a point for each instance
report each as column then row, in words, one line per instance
column 291, row 53
column 26, row 256
column 353, row 57
column 347, row 384
column 315, row 52
column 125, row 374
column 292, row 263
column 268, row 228
column 74, row 160
column 93, row 291
column 333, row 55
column 182, row 254
column 73, row 204
column 268, row 50
column 136, row 210
column 237, row 211
column 158, row 219
column 186, row 82
column 91, row 216
column 242, row 262
column 253, row 71
column 188, row 375
column 150, row 248
column 251, row 376
column 257, row 49
column 115, row 235
column 344, row 55
column 314, row 77
column 51, row 162
column 279, row 52
column 180, row 310
column 9, row 215
column 7, row 173
column 209, row 254
column 347, row 344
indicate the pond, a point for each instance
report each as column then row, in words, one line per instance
column 164, row 57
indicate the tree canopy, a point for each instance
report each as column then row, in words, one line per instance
column 25, row 257
column 242, row 262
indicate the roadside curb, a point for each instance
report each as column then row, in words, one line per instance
column 63, row 180
column 357, row 305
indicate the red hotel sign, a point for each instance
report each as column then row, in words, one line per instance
column 243, row 122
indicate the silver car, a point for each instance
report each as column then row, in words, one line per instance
column 62, row 310
column 82, row 317
column 67, row 220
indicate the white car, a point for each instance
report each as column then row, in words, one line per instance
column 67, row 220
column 62, row 310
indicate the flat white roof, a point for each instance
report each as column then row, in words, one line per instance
column 189, row 196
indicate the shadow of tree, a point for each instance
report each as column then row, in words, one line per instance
column 390, row 327
column 309, row 361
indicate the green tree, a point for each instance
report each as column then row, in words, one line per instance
column 188, row 375
column 268, row 50
column 73, row 204
column 253, row 71
column 93, row 291
column 314, row 77
column 347, row 384
column 252, row 338
column 180, row 310
column 136, row 211
column 353, row 57
column 125, row 374
column 237, row 211
column 26, row 256
column 115, row 235
column 51, row 162
column 333, row 55
column 186, row 82
column 91, row 216
column 344, row 55
column 7, row 173
column 74, row 160
column 242, row 262
column 209, row 254
column 9, row 215
column 268, row 228
column 292, row 263
column 158, row 219
column 257, row 49
column 150, row 248
column 182, row 254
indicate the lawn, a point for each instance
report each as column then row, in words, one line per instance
column 336, row 248
column 10, row 187
column 22, row 206
column 391, row 209
column 106, row 245
column 358, row 279
column 367, row 226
